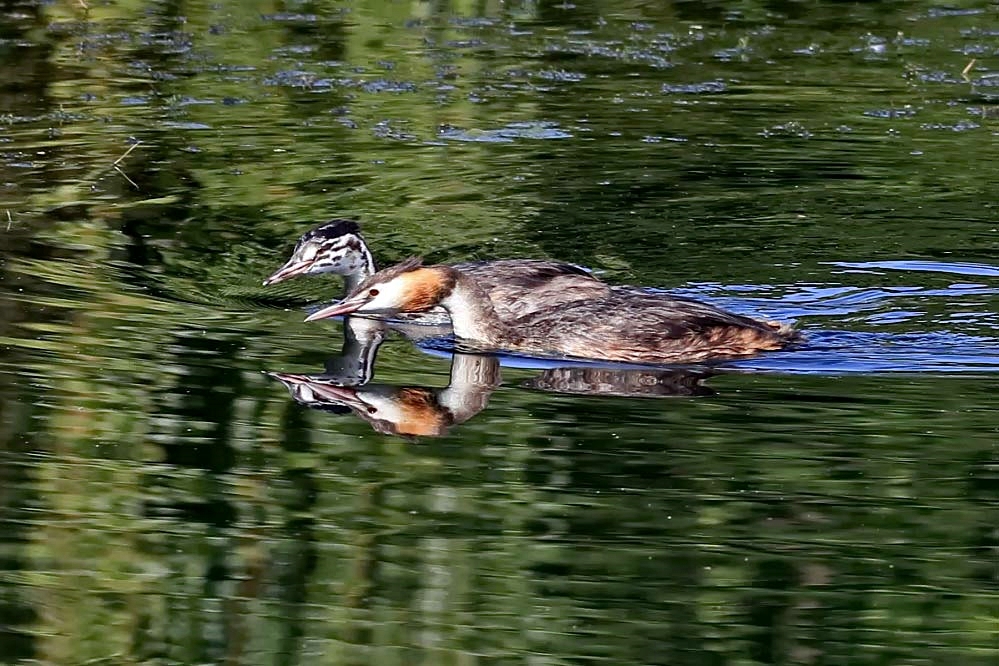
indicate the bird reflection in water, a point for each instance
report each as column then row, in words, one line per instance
column 405, row 410
column 356, row 363
column 636, row 383
column 346, row 386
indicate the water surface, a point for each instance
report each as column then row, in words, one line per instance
column 167, row 500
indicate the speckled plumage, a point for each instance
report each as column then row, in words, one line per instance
column 645, row 383
column 622, row 325
column 648, row 328
column 516, row 287
column 519, row 287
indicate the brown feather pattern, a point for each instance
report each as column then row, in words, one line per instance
column 622, row 324
column 518, row 287
column 644, row 328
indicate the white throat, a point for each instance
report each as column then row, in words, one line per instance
column 473, row 379
column 463, row 306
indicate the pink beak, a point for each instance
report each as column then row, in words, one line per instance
column 289, row 270
column 342, row 394
column 341, row 308
column 326, row 390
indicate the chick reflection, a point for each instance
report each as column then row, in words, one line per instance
column 405, row 410
column 356, row 362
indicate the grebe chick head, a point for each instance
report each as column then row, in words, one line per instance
column 406, row 287
column 334, row 247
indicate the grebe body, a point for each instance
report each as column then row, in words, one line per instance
column 621, row 325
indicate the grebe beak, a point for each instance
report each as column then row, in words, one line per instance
column 290, row 381
column 343, row 307
column 340, row 394
column 304, row 388
column 318, row 389
column 289, row 270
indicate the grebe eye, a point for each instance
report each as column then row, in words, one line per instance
column 372, row 292
column 371, row 410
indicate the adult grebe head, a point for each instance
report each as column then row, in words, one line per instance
column 334, row 247
column 394, row 410
column 406, row 287
column 398, row 410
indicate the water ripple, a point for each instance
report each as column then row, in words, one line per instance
column 960, row 268
column 835, row 351
column 527, row 130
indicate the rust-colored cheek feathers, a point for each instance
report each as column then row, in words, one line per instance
column 421, row 413
column 425, row 288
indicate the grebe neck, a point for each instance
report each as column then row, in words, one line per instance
column 366, row 268
column 473, row 316
column 473, row 380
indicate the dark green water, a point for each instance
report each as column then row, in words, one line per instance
column 163, row 500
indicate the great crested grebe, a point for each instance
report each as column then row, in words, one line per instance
column 622, row 326
column 516, row 287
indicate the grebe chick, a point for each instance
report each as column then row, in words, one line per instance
column 623, row 326
column 517, row 287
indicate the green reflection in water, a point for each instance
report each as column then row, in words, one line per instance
column 163, row 500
